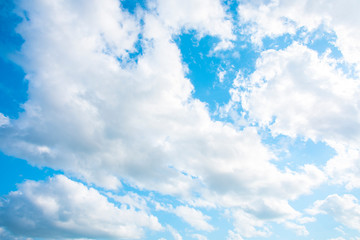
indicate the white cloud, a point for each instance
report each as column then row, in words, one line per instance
column 5, row 235
column 246, row 225
column 233, row 236
column 207, row 17
column 199, row 236
column 190, row 215
column 277, row 17
column 132, row 200
column 64, row 208
column 297, row 93
column 4, row 120
column 340, row 229
column 344, row 209
column 343, row 168
column 300, row 230
column 264, row 20
column 106, row 120
column 176, row 235
column 304, row 220
column 221, row 74
column 194, row 217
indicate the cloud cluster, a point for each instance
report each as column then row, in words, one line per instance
column 107, row 111
column 103, row 121
column 62, row 208
column 297, row 93
column 207, row 17
column 278, row 17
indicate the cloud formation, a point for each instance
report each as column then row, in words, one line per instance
column 110, row 104
column 62, row 208
column 345, row 209
column 106, row 122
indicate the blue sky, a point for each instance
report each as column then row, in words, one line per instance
column 182, row 119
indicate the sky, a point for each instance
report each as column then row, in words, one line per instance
column 179, row 119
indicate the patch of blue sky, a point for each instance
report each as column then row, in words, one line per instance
column 324, row 42
column 204, row 66
column 319, row 40
column 325, row 225
column 132, row 56
column 325, row 228
column 131, row 5
column 10, row 41
column 230, row 7
column 14, row 171
column 13, row 87
column 13, row 93
column 278, row 43
column 293, row 153
column 297, row 152
column 322, row 230
column 221, row 222
column 348, row 69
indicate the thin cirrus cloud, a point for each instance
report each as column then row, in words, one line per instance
column 110, row 104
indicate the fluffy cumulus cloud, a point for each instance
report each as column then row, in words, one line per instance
column 205, row 16
column 62, row 208
column 299, row 93
column 343, row 168
column 110, row 104
column 104, row 118
column 345, row 209
column 278, row 17
column 296, row 92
